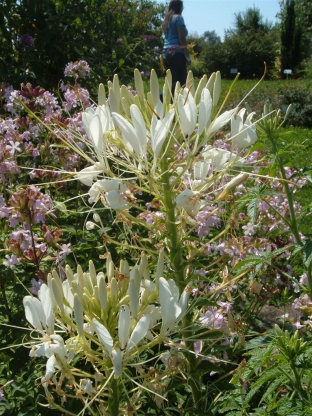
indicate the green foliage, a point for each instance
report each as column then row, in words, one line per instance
column 108, row 35
column 275, row 379
column 291, row 38
column 245, row 51
column 251, row 19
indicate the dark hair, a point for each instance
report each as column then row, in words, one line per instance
column 175, row 7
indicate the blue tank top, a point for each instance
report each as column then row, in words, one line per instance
column 171, row 36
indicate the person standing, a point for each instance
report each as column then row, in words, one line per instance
column 175, row 48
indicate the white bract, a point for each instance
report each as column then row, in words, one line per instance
column 113, row 191
column 190, row 201
column 173, row 306
column 243, row 132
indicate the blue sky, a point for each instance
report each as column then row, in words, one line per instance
column 218, row 15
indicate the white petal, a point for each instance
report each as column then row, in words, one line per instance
column 164, row 292
column 87, row 175
column 200, row 169
column 220, row 121
column 187, row 113
column 140, row 128
column 205, row 107
column 34, row 312
column 159, row 131
column 115, row 200
column 128, row 133
column 102, row 292
column 112, row 185
column 170, row 309
column 189, row 200
column 96, row 133
column 44, row 295
column 104, row 336
column 86, row 385
column 50, row 367
column 139, row 332
column 201, row 85
column 124, row 323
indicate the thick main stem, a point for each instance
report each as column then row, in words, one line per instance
column 289, row 194
column 113, row 403
column 176, row 260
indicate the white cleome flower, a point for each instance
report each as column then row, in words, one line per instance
column 220, row 158
column 173, row 306
column 190, row 201
column 243, row 132
column 113, row 190
column 134, row 135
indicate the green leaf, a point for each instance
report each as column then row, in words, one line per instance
column 252, row 210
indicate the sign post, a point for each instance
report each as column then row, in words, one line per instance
column 287, row 72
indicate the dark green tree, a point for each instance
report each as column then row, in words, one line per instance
column 246, row 47
column 250, row 19
column 291, row 38
column 211, row 37
column 38, row 38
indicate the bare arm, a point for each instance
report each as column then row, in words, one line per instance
column 182, row 39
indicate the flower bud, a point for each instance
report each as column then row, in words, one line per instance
column 101, row 95
column 102, row 292
column 58, row 294
column 92, row 273
column 232, row 184
column 78, row 314
column 114, row 291
column 96, row 217
column 160, row 266
column 90, row 225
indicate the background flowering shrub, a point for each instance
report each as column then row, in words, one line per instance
column 234, row 241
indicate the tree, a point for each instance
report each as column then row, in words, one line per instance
column 251, row 19
column 291, row 38
column 303, row 20
column 211, row 37
column 246, row 47
column 38, row 37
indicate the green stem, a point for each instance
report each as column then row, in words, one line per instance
column 5, row 300
column 113, row 402
column 194, row 380
column 298, row 387
column 293, row 219
column 174, row 239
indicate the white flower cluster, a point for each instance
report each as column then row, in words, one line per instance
column 140, row 134
column 121, row 314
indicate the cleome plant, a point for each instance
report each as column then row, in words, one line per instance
column 193, row 229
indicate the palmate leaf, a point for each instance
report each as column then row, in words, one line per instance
column 252, row 210
column 251, row 261
column 272, row 388
column 267, row 376
column 256, row 194
column 308, row 252
column 292, row 408
column 259, row 341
